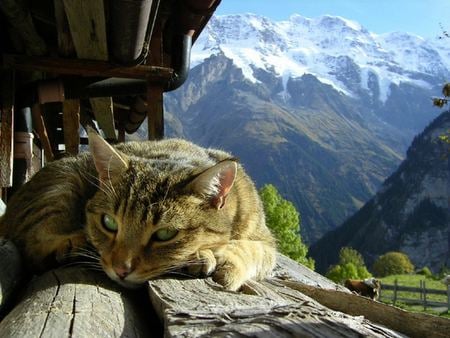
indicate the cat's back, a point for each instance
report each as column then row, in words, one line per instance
column 177, row 150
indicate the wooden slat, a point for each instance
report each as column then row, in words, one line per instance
column 85, row 68
column 7, row 128
column 39, row 125
column 88, row 29
column 87, row 23
column 71, row 125
column 65, row 43
column 155, row 112
column 103, row 111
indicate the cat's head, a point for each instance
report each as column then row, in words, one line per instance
column 151, row 217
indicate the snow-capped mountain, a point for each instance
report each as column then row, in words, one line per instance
column 321, row 47
column 322, row 108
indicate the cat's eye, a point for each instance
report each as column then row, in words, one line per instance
column 165, row 234
column 109, row 223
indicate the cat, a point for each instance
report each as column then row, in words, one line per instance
column 143, row 209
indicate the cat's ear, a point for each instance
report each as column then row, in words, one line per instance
column 215, row 183
column 107, row 160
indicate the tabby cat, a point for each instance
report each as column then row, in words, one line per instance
column 144, row 209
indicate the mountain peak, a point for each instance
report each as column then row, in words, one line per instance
column 300, row 45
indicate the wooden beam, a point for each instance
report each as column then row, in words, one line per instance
column 78, row 303
column 155, row 112
column 65, row 43
column 199, row 307
column 7, row 128
column 71, row 126
column 103, row 112
column 409, row 323
column 39, row 125
column 87, row 22
column 88, row 28
column 86, row 68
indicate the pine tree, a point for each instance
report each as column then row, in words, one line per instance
column 284, row 221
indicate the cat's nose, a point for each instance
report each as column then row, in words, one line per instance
column 123, row 270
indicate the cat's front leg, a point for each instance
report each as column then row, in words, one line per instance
column 204, row 263
column 241, row 260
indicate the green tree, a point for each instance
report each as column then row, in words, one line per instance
column 351, row 266
column 284, row 221
column 392, row 263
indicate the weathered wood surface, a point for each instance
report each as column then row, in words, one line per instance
column 41, row 129
column 201, row 308
column 103, row 112
column 71, row 125
column 10, row 270
column 88, row 28
column 7, row 127
column 77, row 303
column 86, row 67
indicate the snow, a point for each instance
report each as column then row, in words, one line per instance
column 301, row 45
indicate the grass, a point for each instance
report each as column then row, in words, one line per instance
column 414, row 281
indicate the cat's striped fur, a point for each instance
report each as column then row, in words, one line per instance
column 199, row 201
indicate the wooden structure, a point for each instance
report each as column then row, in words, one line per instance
column 104, row 63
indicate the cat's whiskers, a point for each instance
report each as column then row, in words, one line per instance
column 96, row 183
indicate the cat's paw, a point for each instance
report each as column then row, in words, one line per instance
column 204, row 265
column 230, row 272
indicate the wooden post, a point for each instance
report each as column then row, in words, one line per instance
column 448, row 298
column 395, row 292
column 155, row 112
column 424, row 296
column 103, row 112
column 7, row 128
column 41, row 130
column 71, row 125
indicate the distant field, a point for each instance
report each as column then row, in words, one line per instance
column 414, row 281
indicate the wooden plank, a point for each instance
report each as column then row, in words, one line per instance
column 7, row 128
column 10, row 261
column 65, row 43
column 39, row 125
column 200, row 307
column 86, row 68
column 87, row 24
column 77, row 303
column 409, row 323
column 103, row 112
column 71, row 126
column 155, row 112
column 88, row 28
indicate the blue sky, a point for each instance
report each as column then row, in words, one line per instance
column 421, row 17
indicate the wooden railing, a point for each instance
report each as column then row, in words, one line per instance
column 422, row 295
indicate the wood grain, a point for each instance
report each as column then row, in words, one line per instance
column 71, row 125
column 75, row 303
column 7, row 127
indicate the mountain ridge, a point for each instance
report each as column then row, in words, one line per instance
column 327, row 150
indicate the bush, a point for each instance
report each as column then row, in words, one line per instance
column 284, row 221
column 351, row 266
column 392, row 263
column 425, row 271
